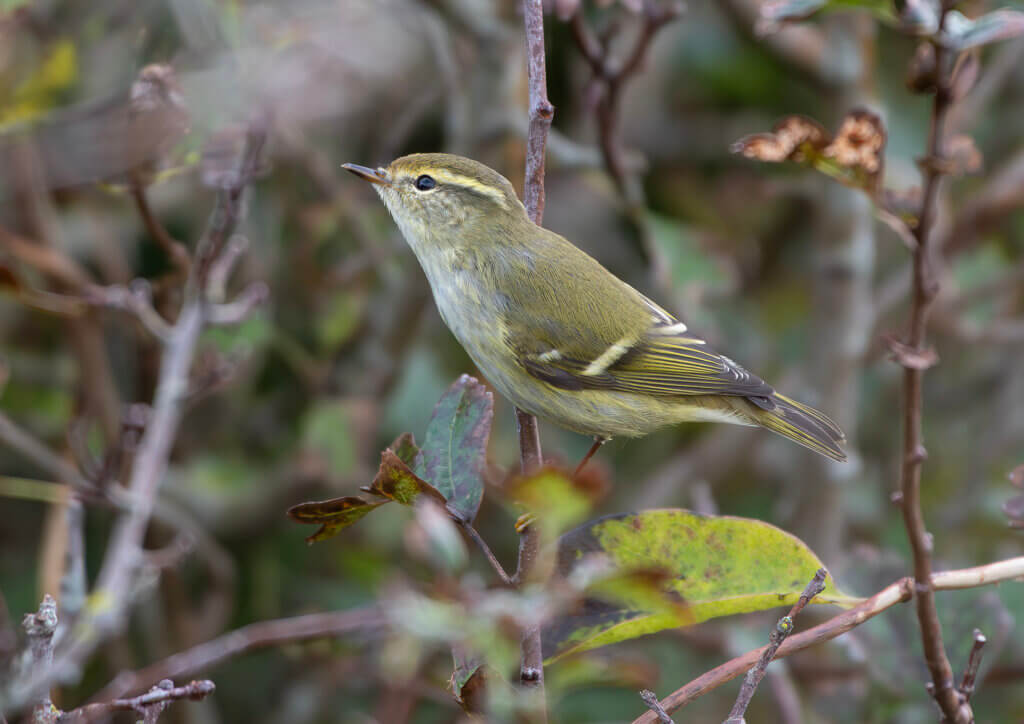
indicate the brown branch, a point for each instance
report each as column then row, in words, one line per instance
column 175, row 250
column 259, row 635
column 924, row 291
column 613, row 78
column 531, row 670
column 39, row 629
column 150, row 704
column 778, row 635
column 899, row 592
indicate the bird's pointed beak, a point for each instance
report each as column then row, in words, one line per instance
column 374, row 176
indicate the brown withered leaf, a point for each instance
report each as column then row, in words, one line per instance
column 794, row 138
column 859, row 143
column 396, row 481
column 854, row 157
column 332, row 515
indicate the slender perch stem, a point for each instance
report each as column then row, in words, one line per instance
column 531, row 672
column 924, row 290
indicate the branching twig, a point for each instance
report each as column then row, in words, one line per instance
column 118, row 575
column 531, row 672
column 925, row 288
column 898, row 592
column 782, row 630
column 613, row 77
column 150, row 704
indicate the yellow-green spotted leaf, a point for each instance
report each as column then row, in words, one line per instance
column 332, row 515
column 710, row 567
column 397, row 482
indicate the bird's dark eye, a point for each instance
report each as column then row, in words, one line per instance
column 425, row 183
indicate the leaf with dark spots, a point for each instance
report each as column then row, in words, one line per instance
column 331, row 515
column 692, row 568
column 455, row 446
column 397, row 482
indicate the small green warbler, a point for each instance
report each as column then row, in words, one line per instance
column 554, row 331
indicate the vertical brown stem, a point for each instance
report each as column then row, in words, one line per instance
column 925, row 288
column 541, row 113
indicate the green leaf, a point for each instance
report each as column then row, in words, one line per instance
column 327, row 435
column 397, row 482
column 455, row 446
column 331, row 515
column 711, row 567
column 405, row 448
column 776, row 12
column 962, row 33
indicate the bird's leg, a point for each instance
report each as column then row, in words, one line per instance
column 598, row 442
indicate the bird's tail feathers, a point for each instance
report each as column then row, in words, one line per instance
column 803, row 425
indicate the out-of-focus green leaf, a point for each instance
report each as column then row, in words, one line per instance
column 776, row 12
column 340, row 318
column 711, row 567
column 255, row 332
column 454, row 448
column 327, row 433
column 962, row 33
column 397, row 482
column 691, row 264
column 557, row 502
column 332, row 515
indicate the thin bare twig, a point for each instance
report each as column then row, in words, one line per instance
column 475, row 536
column 973, row 663
column 263, row 634
column 899, row 592
column 531, row 670
column 150, row 704
column 924, row 291
column 782, row 630
column 651, row 700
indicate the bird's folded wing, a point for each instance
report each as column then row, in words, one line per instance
column 662, row 360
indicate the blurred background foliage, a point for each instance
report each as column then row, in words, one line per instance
column 786, row 271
